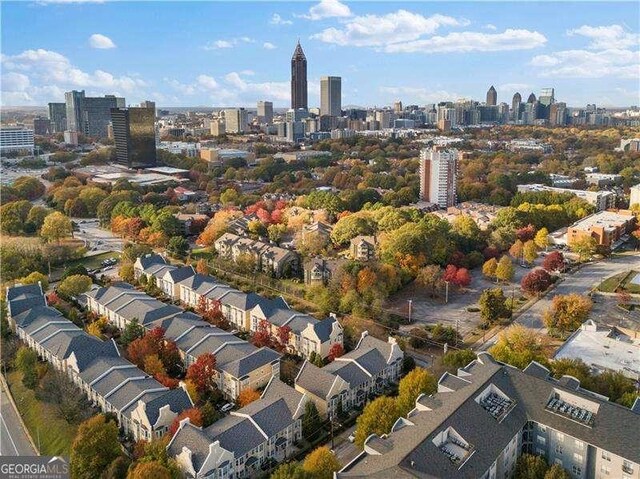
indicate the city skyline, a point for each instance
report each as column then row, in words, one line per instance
column 416, row 53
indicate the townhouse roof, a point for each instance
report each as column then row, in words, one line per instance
column 180, row 274
column 149, row 259
column 318, row 381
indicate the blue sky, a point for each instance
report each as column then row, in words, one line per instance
column 223, row 53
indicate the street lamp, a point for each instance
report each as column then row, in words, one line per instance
column 410, row 303
column 446, row 292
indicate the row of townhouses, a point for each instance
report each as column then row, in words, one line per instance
column 352, row 379
column 268, row 258
column 483, row 418
column 144, row 407
column 240, row 364
column 246, row 311
column 240, row 444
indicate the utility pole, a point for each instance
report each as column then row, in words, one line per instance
column 446, row 292
column 513, row 295
column 410, row 303
column 331, row 428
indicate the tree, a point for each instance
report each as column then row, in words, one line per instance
column 202, row 267
column 556, row 471
column 450, row 273
column 247, row 396
column 118, row 468
column 430, row 277
column 418, row 337
column 541, row 238
column 458, row 358
column 203, row 373
column 516, row 249
column 154, row 342
column 321, row 463
column 284, row 334
column 153, row 366
column 567, row 312
column 262, row 337
column 463, row 278
column 178, row 247
column 526, row 233
column 195, row 417
column 489, row 268
column 145, row 470
column 554, row 261
column 94, row 447
column 276, row 232
column 584, row 247
column 126, row 272
column 132, row 331
column 75, row 285
column 519, row 346
column 377, row 418
column 493, row 306
column 445, row 334
column 529, row 251
column 335, row 351
column 35, row 278
column 26, row 361
column 529, row 466
column 291, row 470
column 55, row 227
column 505, row 269
column 311, row 421
column 536, row 282
column 418, row 381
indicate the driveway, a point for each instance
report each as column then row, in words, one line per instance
column 344, row 450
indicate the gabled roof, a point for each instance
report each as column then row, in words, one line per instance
column 180, row 274
column 318, row 381
column 150, row 259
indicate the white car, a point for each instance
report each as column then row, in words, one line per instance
column 352, row 437
column 227, row 407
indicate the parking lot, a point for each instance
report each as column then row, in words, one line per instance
column 97, row 239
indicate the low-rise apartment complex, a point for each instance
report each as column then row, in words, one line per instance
column 606, row 227
column 602, row 200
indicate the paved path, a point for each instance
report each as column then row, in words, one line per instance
column 13, row 439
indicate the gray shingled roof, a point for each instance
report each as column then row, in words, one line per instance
column 323, row 328
column 317, row 381
column 149, row 259
column 193, row 438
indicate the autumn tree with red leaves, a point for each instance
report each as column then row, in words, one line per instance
column 203, row 373
column 335, row 351
column 536, row 282
column 195, row 417
column 554, row 261
column 154, row 342
column 284, row 333
column 262, row 337
column 526, row 234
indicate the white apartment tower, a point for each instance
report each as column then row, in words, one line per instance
column 236, row 120
column 439, row 176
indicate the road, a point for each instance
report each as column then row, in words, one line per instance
column 13, row 439
column 99, row 239
column 344, row 450
column 580, row 282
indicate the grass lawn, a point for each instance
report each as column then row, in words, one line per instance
column 89, row 262
column 56, row 435
column 610, row 284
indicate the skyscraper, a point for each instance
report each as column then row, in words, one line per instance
column 439, row 176
column 532, row 98
column 135, row 136
column 515, row 106
column 547, row 97
column 147, row 104
column 492, row 97
column 236, row 120
column 58, row 117
column 298, row 79
column 74, row 100
column 331, row 96
column 397, row 106
column 90, row 115
column 265, row 111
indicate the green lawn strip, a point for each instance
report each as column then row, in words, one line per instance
column 628, row 286
column 56, row 435
column 609, row 285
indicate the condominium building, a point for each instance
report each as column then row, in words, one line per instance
column 16, row 138
column 484, row 417
column 265, row 111
column 439, row 176
column 90, row 115
column 236, row 120
column 602, row 199
column 58, row 117
column 331, row 96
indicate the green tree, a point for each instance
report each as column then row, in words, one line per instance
column 178, row 247
column 291, row 470
column 377, row 418
column 489, row 268
column 567, row 312
column 36, row 216
column 529, row 251
column 276, row 232
column 321, row 463
column 458, row 358
column 418, row 381
column 556, row 471
column 56, row 226
column 493, row 306
column 35, row 278
column 431, row 278
column 505, row 269
column 350, row 226
column 584, row 247
column 132, row 331
column 13, row 217
column 26, row 362
column 94, row 448
column 311, row 421
column 519, row 346
column 229, row 196
column 75, row 285
column 529, row 466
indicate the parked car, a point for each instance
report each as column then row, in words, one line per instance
column 227, row 407
column 352, row 437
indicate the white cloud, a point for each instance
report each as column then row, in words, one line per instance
column 231, row 43
column 276, row 19
column 328, row 9
column 207, row 82
column 40, row 76
column 513, row 87
column 491, row 26
column 98, row 40
column 462, row 42
column 619, row 63
column 606, row 37
column 418, row 94
column 268, row 46
column 379, row 30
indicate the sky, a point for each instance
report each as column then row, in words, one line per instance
column 236, row 53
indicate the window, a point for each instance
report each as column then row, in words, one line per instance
column 606, row 456
column 542, row 440
column 577, row 470
column 577, row 457
column 560, row 437
column 542, row 428
column 559, row 449
column 627, row 467
column 605, row 469
column 579, row 444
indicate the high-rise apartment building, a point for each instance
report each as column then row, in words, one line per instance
column 16, row 138
column 148, row 104
column 135, row 136
column 58, row 117
column 439, row 176
column 547, row 96
column 236, row 120
column 331, row 96
column 515, row 107
column 90, row 115
column 217, row 127
column 299, row 79
column 397, row 106
column 265, row 111
column 492, row 97
column 558, row 114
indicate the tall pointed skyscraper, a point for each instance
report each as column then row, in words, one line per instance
column 492, row 97
column 298, row 79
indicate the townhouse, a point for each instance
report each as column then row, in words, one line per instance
column 269, row 259
column 238, row 445
column 144, row 407
column 240, row 365
column 484, row 417
column 350, row 380
column 363, row 248
column 167, row 276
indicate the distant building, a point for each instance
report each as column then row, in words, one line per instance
column 58, row 117
column 439, row 176
column 217, row 156
column 630, row 144
column 397, row 106
column 41, row 126
column 634, row 199
column 331, row 96
column 236, row 120
column 217, row 127
column 135, row 136
column 16, row 139
column 149, row 104
column 295, row 156
column 603, row 179
column 71, row 137
column 515, row 107
column 602, row 200
column 363, row 248
column 90, row 115
column 492, row 96
column 299, row 79
column 265, row 111
column 605, row 227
